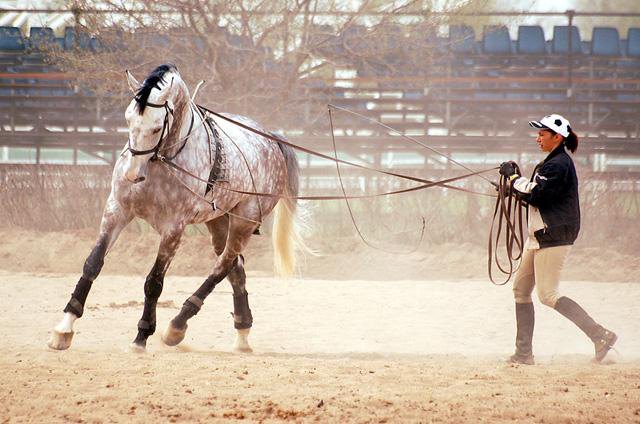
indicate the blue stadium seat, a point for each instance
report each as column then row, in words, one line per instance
column 75, row 39
column 95, row 45
column 633, row 42
column 530, row 40
column 462, row 38
column 560, row 42
column 605, row 42
column 11, row 39
column 496, row 40
column 41, row 38
column 629, row 65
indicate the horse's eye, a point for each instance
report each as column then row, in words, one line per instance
column 157, row 130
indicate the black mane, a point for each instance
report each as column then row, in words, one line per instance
column 151, row 82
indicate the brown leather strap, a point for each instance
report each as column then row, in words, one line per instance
column 344, row 162
column 508, row 211
column 442, row 183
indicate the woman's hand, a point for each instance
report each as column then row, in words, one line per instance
column 508, row 168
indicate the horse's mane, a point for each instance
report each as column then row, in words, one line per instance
column 151, row 82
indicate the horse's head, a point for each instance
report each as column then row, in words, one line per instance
column 158, row 102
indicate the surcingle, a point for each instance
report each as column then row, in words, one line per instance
column 218, row 171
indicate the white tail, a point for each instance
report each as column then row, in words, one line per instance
column 287, row 222
column 286, row 238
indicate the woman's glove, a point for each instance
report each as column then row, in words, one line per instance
column 508, row 169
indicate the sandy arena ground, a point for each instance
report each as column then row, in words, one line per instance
column 325, row 350
column 363, row 338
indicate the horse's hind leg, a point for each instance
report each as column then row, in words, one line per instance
column 242, row 318
column 153, row 286
column 113, row 221
column 239, row 233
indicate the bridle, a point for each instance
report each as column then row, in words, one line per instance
column 165, row 130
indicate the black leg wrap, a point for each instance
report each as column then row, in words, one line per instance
column 147, row 325
column 79, row 297
column 153, row 287
column 190, row 307
column 148, row 328
column 242, row 317
column 141, row 338
column 94, row 262
column 145, row 329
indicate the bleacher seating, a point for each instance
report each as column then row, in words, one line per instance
column 462, row 39
column 496, row 40
column 41, row 38
column 605, row 42
column 74, row 38
column 11, row 39
column 491, row 81
column 531, row 40
column 560, row 42
column 633, row 42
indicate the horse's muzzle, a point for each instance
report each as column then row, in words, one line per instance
column 136, row 171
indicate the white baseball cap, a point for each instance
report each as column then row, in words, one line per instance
column 554, row 122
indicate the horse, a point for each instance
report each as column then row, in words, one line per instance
column 214, row 167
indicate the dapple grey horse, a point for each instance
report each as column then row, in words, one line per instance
column 165, row 125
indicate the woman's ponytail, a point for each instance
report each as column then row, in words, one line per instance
column 571, row 141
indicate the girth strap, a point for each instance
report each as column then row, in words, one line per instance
column 217, row 173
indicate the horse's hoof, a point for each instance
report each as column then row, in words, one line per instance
column 60, row 341
column 242, row 341
column 137, row 348
column 243, row 349
column 172, row 336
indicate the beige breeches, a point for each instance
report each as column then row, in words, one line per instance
column 540, row 268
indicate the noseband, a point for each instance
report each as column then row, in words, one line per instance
column 165, row 128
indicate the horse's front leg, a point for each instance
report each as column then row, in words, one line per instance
column 153, row 286
column 113, row 221
column 239, row 233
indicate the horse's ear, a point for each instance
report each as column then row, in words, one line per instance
column 195, row 92
column 134, row 85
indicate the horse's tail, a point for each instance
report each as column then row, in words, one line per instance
column 286, row 225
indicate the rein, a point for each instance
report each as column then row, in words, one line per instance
column 424, row 183
column 508, row 211
column 428, row 184
column 341, row 161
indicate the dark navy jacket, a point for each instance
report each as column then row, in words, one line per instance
column 553, row 191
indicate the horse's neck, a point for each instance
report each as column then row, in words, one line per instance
column 196, row 152
column 178, row 130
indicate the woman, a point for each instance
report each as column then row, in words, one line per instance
column 551, row 196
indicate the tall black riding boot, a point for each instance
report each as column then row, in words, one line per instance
column 602, row 338
column 525, row 320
